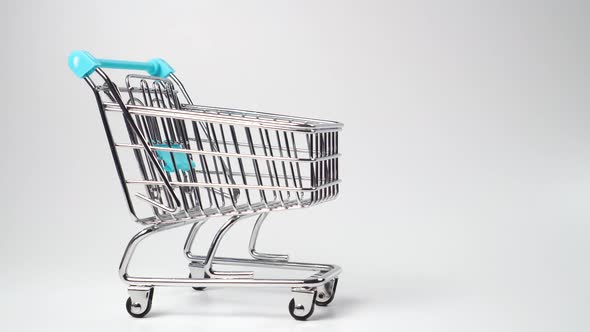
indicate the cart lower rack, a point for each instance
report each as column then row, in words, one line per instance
column 181, row 164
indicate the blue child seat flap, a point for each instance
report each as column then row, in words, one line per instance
column 180, row 158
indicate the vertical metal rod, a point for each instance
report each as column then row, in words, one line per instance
column 205, row 167
column 312, row 165
column 291, row 165
column 252, row 245
column 241, row 164
column 255, row 164
column 270, row 173
column 190, row 239
column 208, row 264
column 299, row 195
column 233, row 193
column 274, row 166
column 214, row 144
column 283, row 164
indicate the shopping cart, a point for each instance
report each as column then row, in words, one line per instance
column 197, row 162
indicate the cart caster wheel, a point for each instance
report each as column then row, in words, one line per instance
column 326, row 293
column 199, row 288
column 141, row 308
column 302, row 304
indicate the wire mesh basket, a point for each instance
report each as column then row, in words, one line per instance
column 180, row 163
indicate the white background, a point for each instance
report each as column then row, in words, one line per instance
column 466, row 161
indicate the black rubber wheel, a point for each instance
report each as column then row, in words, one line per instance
column 143, row 313
column 199, row 288
column 322, row 302
column 292, row 310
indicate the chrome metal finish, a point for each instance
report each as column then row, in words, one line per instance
column 140, row 297
column 302, row 303
column 194, row 162
column 208, row 264
column 326, row 292
column 197, row 270
column 254, row 237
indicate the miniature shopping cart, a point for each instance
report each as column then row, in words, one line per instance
column 181, row 164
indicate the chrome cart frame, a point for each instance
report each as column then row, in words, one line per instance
column 197, row 162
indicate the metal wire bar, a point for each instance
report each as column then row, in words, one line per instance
column 280, row 168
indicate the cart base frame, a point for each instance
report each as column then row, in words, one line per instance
column 318, row 289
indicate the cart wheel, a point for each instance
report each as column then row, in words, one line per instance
column 302, row 311
column 326, row 293
column 199, row 288
column 136, row 310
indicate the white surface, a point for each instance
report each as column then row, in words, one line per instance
column 464, row 205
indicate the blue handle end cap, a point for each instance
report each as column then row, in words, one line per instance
column 160, row 68
column 82, row 63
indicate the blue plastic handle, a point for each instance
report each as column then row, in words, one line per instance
column 83, row 64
